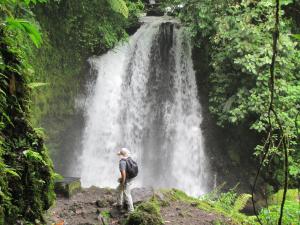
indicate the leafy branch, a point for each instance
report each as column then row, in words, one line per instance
column 272, row 110
column 25, row 26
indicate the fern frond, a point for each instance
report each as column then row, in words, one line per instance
column 241, row 202
column 213, row 195
column 119, row 6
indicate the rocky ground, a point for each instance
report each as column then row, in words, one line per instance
column 95, row 206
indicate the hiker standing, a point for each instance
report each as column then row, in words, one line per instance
column 128, row 169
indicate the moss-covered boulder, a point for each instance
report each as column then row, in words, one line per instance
column 68, row 186
column 148, row 213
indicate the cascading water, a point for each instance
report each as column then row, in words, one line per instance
column 145, row 99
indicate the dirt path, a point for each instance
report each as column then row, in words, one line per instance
column 179, row 213
column 90, row 205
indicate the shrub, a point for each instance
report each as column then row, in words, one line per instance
column 291, row 213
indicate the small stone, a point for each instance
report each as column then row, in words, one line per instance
column 160, row 196
column 194, row 204
column 115, row 213
column 102, row 203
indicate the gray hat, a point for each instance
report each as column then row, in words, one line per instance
column 124, row 152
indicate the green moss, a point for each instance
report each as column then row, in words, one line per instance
column 291, row 195
column 291, row 213
column 223, row 205
column 105, row 214
column 74, row 186
column 25, row 168
column 147, row 213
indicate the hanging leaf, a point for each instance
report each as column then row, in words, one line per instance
column 228, row 103
column 11, row 172
column 297, row 36
column 7, row 119
column 27, row 2
column 27, row 27
column 119, row 6
column 286, row 2
column 35, row 156
column 36, row 85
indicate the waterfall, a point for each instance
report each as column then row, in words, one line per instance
column 145, row 98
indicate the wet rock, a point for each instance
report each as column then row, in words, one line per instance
column 67, row 187
column 110, row 199
column 115, row 213
column 194, row 204
column 160, row 196
column 154, row 10
column 102, row 203
column 140, row 195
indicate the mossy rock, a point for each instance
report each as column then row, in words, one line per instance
column 147, row 213
column 68, row 186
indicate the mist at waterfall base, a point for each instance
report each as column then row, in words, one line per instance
column 145, row 98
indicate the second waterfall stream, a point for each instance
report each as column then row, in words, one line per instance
column 145, row 98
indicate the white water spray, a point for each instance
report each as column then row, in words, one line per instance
column 145, row 98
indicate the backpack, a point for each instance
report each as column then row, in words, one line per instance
column 132, row 169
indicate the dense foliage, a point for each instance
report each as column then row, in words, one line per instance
column 231, row 204
column 239, row 36
column 26, row 176
column 291, row 209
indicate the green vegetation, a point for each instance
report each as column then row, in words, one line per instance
column 291, row 195
column 228, row 204
column 291, row 213
column 147, row 213
column 105, row 214
column 291, row 209
column 26, row 175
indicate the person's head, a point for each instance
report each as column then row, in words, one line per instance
column 124, row 153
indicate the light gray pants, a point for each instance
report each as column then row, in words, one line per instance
column 126, row 192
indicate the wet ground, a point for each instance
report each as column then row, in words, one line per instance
column 89, row 207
